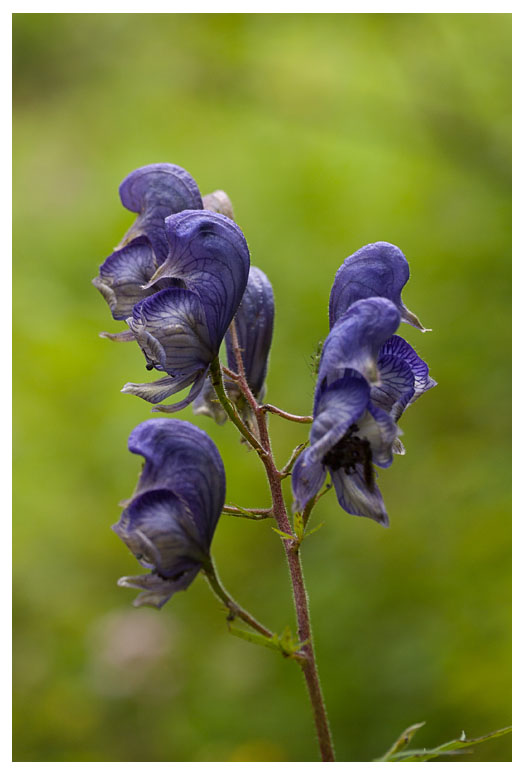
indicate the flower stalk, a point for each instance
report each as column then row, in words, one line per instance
column 291, row 547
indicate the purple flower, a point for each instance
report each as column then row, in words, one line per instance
column 367, row 377
column 379, row 269
column 254, row 325
column 169, row 522
column 180, row 329
column 154, row 192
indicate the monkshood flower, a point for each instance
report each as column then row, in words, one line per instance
column 254, row 326
column 180, row 329
column 379, row 269
column 367, row 377
column 169, row 522
column 154, row 192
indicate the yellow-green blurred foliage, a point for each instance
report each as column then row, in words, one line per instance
column 328, row 132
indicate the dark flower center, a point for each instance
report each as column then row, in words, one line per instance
column 348, row 453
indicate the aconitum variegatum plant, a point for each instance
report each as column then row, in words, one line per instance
column 182, row 281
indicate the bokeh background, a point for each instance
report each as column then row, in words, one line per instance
column 328, row 132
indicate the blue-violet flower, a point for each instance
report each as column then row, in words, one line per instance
column 169, row 522
column 367, row 377
column 180, row 329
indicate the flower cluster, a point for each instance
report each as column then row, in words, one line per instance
column 367, row 377
column 169, row 522
column 181, row 279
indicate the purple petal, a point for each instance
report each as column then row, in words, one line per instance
column 157, row 591
column 209, row 254
column 396, row 386
column 355, row 340
column 380, row 430
column 158, row 528
column 182, row 458
column 155, row 392
column 378, row 269
column 355, row 496
column 397, row 347
column 154, row 192
column 308, row 477
column 254, row 324
column 337, row 407
column 123, row 274
column 171, row 329
column 184, row 402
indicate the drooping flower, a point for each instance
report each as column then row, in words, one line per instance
column 378, row 269
column 367, row 377
column 254, row 325
column 153, row 192
column 169, row 522
column 180, row 329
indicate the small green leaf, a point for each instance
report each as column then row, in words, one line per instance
column 402, row 741
column 451, row 748
column 314, row 529
column 298, row 525
column 283, row 535
column 254, row 637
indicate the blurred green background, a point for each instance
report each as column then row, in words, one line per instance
column 328, row 132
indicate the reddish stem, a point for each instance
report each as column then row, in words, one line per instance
column 308, row 664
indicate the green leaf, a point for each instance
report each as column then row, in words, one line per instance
column 314, row 529
column 461, row 745
column 298, row 525
column 254, row 637
column 283, row 535
column 402, row 741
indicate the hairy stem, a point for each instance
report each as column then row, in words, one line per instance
column 236, row 611
column 229, row 408
column 287, row 416
column 308, row 663
column 236, row 511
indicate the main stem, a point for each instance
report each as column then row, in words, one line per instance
column 308, row 664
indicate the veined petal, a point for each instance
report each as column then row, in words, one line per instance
column 378, row 269
column 308, row 477
column 355, row 340
column 154, row 192
column 355, row 497
column 171, row 329
column 209, row 254
column 156, row 590
column 120, row 336
column 397, row 347
column 337, row 407
column 182, row 458
column 158, row 528
column 123, row 274
column 396, row 387
column 155, row 392
column 184, row 402
column 254, row 325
